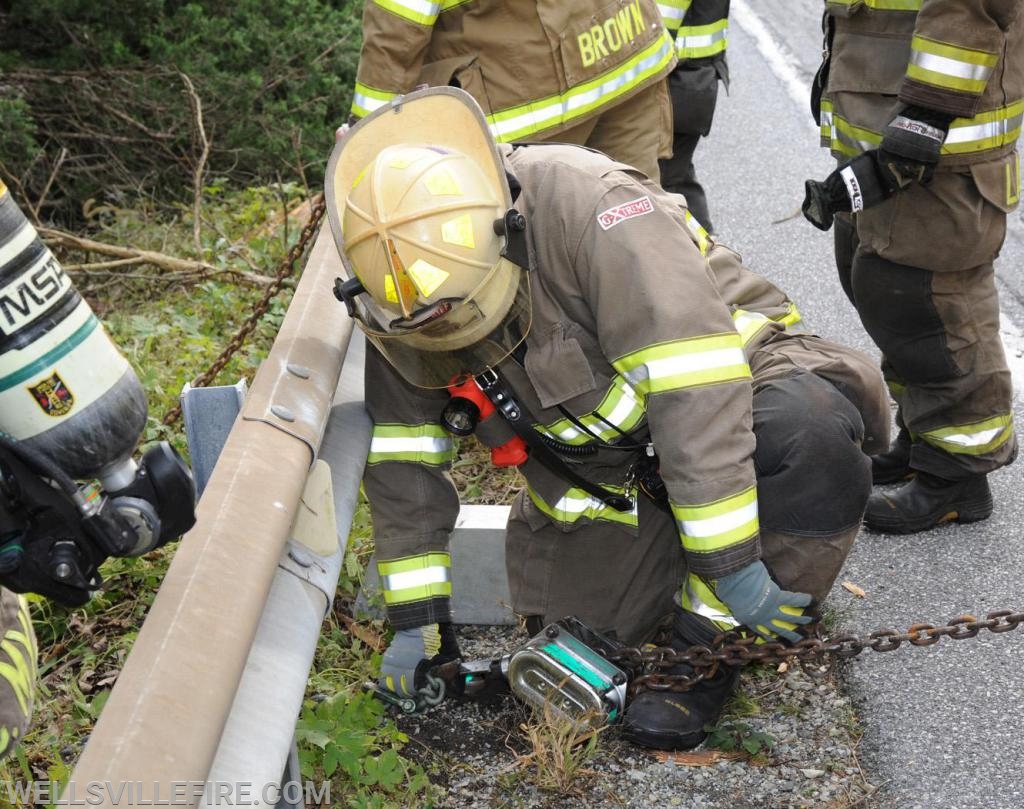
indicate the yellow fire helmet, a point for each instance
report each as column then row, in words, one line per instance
column 434, row 254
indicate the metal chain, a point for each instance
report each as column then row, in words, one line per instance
column 733, row 650
column 285, row 269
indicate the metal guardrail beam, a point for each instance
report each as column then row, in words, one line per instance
column 164, row 718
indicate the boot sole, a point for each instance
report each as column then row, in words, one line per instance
column 662, row 741
column 967, row 513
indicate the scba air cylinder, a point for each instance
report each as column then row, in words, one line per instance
column 65, row 388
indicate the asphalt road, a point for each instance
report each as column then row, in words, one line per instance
column 943, row 724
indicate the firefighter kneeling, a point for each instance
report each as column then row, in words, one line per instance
column 613, row 336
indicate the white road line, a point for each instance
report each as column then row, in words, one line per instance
column 784, row 65
column 780, row 59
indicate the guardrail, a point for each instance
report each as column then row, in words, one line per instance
column 213, row 684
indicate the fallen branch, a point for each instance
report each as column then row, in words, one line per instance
column 171, row 264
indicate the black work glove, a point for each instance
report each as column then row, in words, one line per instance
column 910, row 145
column 854, row 186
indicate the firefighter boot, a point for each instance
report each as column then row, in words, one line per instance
column 928, row 501
column 671, row 720
column 894, row 465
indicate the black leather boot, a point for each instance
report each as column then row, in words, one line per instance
column 670, row 720
column 928, row 501
column 894, row 465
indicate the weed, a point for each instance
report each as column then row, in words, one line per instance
column 561, row 746
column 346, row 738
column 734, row 737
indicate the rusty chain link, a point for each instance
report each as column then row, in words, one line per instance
column 732, row 650
column 285, row 269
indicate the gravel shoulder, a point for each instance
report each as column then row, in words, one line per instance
column 480, row 753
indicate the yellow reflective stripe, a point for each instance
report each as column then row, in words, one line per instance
column 897, row 389
column 673, row 11
column 415, row 578
column 847, row 139
column 576, row 505
column 713, row 526
column 527, row 119
column 690, row 363
column 565, row 431
column 792, row 316
column 621, row 407
column 972, row 439
column 421, row 12
column 940, row 64
column 698, row 597
column 992, row 129
column 20, row 668
column 421, row 443
column 620, row 411
column 366, row 99
column 697, row 231
column 881, row 5
column 697, row 41
column 749, row 324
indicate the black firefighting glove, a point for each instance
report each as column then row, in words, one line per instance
column 910, row 145
column 413, row 652
column 854, row 186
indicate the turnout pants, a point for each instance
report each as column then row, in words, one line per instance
column 813, row 481
column 919, row 271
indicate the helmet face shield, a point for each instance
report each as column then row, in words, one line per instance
column 420, row 363
column 420, row 209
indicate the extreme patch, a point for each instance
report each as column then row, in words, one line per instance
column 627, row 210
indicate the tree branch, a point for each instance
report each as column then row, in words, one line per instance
column 163, row 262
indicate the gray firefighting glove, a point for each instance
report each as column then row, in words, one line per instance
column 760, row 604
column 412, row 653
column 910, row 145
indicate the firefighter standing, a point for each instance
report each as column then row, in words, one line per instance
column 631, row 367
column 937, row 87
column 577, row 71
column 701, row 32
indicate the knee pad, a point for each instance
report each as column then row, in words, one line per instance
column 812, row 475
column 895, row 305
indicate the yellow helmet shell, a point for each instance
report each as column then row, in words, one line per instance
column 418, row 227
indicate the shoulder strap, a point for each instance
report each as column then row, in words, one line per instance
column 521, row 422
